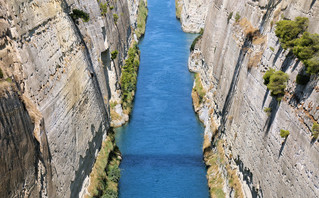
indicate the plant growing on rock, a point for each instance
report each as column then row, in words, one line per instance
column 276, row 82
column 268, row 110
column 115, row 18
column 284, row 133
column 201, row 32
column 315, row 130
column 141, row 19
column 103, row 7
column 229, row 17
column 237, row 17
column 114, row 54
column 76, row 14
column 287, row 31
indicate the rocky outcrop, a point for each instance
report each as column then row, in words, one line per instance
column 192, row 14
column 60, row 78
column 237, row 47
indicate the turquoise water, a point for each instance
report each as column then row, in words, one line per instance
column 161, row 145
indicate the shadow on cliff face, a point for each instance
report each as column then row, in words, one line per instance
column 282, row 147
column 233, row 84
column 86, row 163
column 248, row 178
column 272, row 4
column 274, row 105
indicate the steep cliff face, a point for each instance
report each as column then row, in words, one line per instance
column 192, row 14
column 237, row 47
column 62, row 78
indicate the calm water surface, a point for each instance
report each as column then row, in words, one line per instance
column 161, row 145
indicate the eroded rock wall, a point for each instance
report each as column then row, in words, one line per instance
column 231, row 62
column 61, row 75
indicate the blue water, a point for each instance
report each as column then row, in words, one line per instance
column 161, row 145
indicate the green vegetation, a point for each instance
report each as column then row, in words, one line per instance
column 302, row 79
column 105, row 172
column 237, row 17
column 268, row 110
column 272, row 49
column 276, row 82
column 284, row 133
column 287, row 31
column 229, row 17
column 178, row 9
column 315, row 130
column 103, row 7
column 201, row 32
column 115, row 18
column 305, row 46
column 141, row 19
column 111, row 7
column 267, row 75
column 76, row 14
column 129, row 77
column 114, row 54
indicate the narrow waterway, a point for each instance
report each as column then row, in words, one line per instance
column 161, row 145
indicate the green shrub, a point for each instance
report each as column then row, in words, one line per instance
column 103, row 7
column 199, row 88
column 114, row 54
column 267, row 110
column 272, row 49
column 302, row 79
column 115, row 18
column 109, row 193
column 237, row 17
column 287, row 31
column 277, row 84
column 111, row 7
column 1, row 73
column 284, row 133
column 267, row 75
column 229, row 17
column 141, row 19
column 76, row 14
column 306, row 46
column 312, row 65
column 315, row 130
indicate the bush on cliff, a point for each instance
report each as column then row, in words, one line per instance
column 304, row 45
column 196, row 39
column 276, row 82
column 284, row 133
column 114, row 54
column 76, row 14
column 115, row 18
column 287, row 31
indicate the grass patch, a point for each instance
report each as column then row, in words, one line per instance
column 178, row 9
column 141, row 19
column 315, row 130
column 129, row 77
column 198, row 88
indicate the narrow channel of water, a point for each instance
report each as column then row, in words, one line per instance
column 161, row 146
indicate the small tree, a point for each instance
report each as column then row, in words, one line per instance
column 277, row 84
column 315, row 130
column 267, row 75
column 284, row 133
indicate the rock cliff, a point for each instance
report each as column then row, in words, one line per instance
column 57, row 80
column 237, row 47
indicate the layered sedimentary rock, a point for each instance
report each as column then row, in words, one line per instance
column 58, row 79
column 231, row 58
